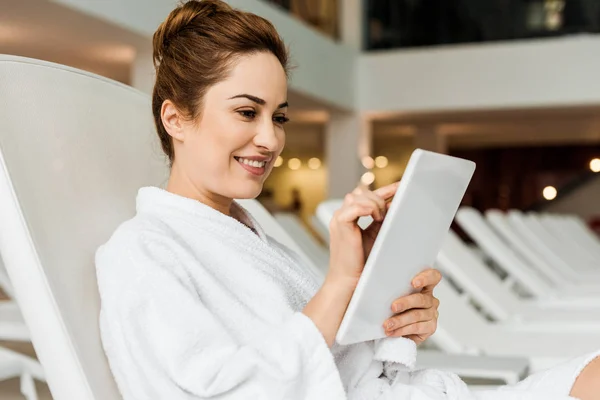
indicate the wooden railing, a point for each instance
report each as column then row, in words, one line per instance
column 320, row 14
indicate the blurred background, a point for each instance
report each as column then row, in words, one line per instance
column 509, row 84
column 512, row 85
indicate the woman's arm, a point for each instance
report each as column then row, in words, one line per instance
column 327, row 307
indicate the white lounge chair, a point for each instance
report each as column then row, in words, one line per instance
column 567, row 229
column 579, row 259
column 74, row 150
column 541, row 287
column 534, row 251
column 501, row 303
column 563, row 258
column 461, row 329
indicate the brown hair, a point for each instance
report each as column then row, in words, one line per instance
column 195, row 47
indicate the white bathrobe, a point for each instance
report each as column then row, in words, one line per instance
column 198, row 305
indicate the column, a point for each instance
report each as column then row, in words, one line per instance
column 351, row 20
column 427, row 137
column 348, row 140
column 142, row 70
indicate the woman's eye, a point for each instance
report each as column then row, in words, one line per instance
column 250, row 114
column 281, row 119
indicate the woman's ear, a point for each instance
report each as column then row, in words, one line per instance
column 172, row 120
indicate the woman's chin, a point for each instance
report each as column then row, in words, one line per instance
column 248, row 191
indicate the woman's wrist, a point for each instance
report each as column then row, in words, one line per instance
column 340, row 283
column 328, row 306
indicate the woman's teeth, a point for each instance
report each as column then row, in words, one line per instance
column 252, row 163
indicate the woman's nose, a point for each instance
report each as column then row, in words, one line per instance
column 266, row 136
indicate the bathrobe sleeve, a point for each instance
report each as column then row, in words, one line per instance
column 163, row 318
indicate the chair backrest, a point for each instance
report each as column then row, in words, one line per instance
column 274, row 229
column 74, row 150
column 472, row 222
column 538, row 240
column 499, row 220
column 459, row 324
column 479, row 281
column 581, row 231
column 5, row 284
column 577, row 261
column 568, row 238
column 318, row 253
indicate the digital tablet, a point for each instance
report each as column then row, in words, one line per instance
column 409, row 241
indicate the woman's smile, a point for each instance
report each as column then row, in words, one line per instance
column 255, row 167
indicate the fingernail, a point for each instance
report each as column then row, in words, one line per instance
column 390, row 324
column 418, row 283
column 397, row 308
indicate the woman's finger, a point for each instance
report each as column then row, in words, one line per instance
column 416, row 300
column 426, row 329
column 409, row 317
column 352, row 212
column 388, row 191
column 360, row 206
column 427, row 280
column 378, row 200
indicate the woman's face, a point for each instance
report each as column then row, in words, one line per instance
column 230, row 151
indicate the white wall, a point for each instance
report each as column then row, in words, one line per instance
column 535, row 73
column 326, row 70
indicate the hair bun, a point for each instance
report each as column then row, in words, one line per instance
column 181, row 18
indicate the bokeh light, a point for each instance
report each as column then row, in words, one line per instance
column 314, row 163
column 368, row 162
column 294, row 163
column 381, row 162
column 549, row 192
column 368, row 178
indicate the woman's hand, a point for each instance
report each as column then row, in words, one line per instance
column 349, row 244
column 416, row 315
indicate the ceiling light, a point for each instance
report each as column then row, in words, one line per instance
column 549, row 192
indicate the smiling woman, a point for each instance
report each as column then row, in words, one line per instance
column 198, row 302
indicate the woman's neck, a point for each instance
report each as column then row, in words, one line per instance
column 181, row 186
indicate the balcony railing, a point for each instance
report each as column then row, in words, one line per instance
column 320, row 14
column 417, row 23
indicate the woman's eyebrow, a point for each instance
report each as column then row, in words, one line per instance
column 257, row 100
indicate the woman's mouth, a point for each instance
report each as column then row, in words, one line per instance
column 254, row 167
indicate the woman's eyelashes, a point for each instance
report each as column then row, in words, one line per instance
column 251, row 115
column 248, row 114
column 281, row 119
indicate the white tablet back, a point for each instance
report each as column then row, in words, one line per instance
column 410, row 238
